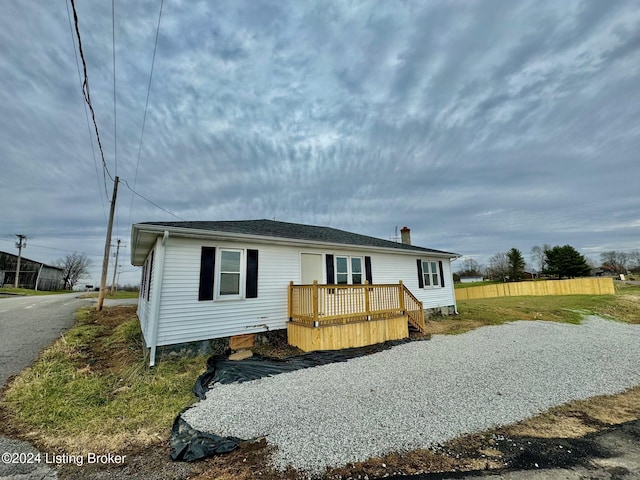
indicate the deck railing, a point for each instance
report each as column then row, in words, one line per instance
column 413, row 309
column 321, row 305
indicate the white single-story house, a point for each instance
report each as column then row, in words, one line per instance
column 206, row 280
column 471, row 279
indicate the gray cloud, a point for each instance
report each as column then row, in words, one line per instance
column 482, row 126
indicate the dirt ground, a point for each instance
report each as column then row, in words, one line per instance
column 602, row 455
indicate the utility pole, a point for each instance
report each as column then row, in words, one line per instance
column 115, row 269
column 20, row 244
column 107, row 246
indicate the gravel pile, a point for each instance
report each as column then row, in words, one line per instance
column 422, row 393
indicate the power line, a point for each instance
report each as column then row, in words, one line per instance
column 86, row 116
column 146, row 106
column 115, row 123
column 87, row 97
column 115, row 116
column 151, row 202
column 59, row 249
column 85, row 91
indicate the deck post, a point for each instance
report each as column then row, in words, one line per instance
column 367, row 306
column 290, row 301
column 315, row 303
column 401, row 296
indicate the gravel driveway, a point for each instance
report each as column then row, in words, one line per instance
column 422, row 393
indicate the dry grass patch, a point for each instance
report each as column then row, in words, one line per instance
column 576, row 419
column 91, row 390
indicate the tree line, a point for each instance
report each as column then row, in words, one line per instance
column 555, row 262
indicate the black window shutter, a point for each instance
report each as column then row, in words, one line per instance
column 420, row 276
column 251, row 290
column 367, row 270
column 207, row 267
column 331, row 278
column 149, row 277
column 441, row 273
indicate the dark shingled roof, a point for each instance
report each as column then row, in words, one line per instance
column 295, row 231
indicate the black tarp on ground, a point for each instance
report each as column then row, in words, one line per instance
column 189, row 444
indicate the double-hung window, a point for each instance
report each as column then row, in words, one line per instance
column 430, row 273
column 230, row 271
column 349, row 270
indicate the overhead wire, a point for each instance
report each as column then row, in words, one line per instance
column 31, row 244
column 87, row 98
column 115, row 116
column 150, row 201
column 86, row 115
column 87, row 95
column 146, row 106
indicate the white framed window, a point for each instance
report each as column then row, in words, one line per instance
column 230, row 274
column 349, row 270
column 227, row 273
column 430, row 274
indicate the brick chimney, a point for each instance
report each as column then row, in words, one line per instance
column 405, row 235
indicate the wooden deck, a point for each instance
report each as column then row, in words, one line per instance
column 331, row 317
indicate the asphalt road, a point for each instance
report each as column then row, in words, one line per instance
column 29, row 324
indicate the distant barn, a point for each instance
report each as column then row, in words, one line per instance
column 33, row 275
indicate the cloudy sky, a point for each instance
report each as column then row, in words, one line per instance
column 482, row 125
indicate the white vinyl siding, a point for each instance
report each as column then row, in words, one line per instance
column 144, row 304
column 182, row 318
column 389, row 268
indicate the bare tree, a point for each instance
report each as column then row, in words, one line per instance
column 74, row 266
column 615, row 261
column 499, row 266
column 634, row 258
column 538, row 257
column 470, row 267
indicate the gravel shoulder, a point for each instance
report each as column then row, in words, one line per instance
column 424, row 393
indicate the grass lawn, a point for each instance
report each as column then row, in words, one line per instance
column 623, row 306
column 118, row 295
column 91, row 391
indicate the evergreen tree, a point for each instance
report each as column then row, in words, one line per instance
column 566, row 261
column 516, row 264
